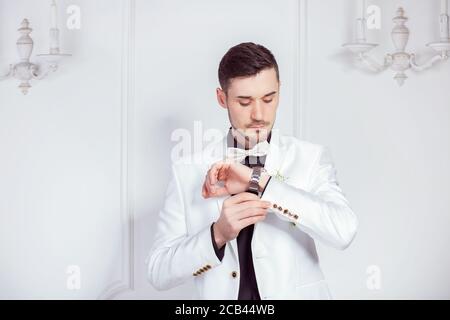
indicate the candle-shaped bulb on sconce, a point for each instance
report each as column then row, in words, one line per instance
column 360, row 9
column 54, row 31
column 444, row 7
column 363, row 9
column 444, row 21
column 54, row 41
column 360, row 30
column 53, row 13
column 361, row 21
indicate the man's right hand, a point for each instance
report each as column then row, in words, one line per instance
column 238, row 212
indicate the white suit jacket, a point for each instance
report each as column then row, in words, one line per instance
column 310, row 206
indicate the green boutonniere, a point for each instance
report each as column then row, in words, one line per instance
column 277, row 175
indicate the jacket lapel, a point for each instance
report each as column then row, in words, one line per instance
column 272, row 165
column 273, row 159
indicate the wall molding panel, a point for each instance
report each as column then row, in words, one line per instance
column 127, row 199
column 127, row 185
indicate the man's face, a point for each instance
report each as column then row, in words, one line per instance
column 252, row 103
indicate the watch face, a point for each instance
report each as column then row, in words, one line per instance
column 254, row 180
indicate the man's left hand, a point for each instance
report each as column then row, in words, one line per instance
column 235, row 178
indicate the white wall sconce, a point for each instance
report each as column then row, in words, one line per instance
column 25, row 70
column 399, row 61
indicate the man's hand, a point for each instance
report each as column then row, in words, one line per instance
column 234, row 176
column 238, row 211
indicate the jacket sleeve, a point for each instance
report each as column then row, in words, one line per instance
column 323, row 213
column 175, row 256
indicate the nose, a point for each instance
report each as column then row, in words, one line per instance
column 257, row 112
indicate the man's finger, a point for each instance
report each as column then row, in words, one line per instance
column 223, row 172
column 205, row 192
column 208, row 186
column 251, row 204
column 219, row 192
column 211, row 175
column 250, row 212
column 218, row 172
column 248, row 221
column 240, row 197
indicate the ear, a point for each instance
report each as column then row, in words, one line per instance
column 221, row 98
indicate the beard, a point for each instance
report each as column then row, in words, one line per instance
column 248, row 136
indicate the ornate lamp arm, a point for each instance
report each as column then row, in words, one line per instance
column 373, row 65
column 427, row 64
column 7, row 75
column 40, row 72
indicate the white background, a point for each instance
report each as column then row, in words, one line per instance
column 84, row 157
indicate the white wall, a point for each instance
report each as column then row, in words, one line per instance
column 60, row 162
column 85, row 156
column 391, row 147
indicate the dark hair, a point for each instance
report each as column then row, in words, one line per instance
column 244, row 60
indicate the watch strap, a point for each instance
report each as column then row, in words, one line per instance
column 254, row 180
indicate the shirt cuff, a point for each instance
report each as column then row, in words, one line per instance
column 219, row 252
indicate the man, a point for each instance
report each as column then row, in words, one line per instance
column 242, row 225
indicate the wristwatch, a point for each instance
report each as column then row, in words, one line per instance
column 253, row 186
